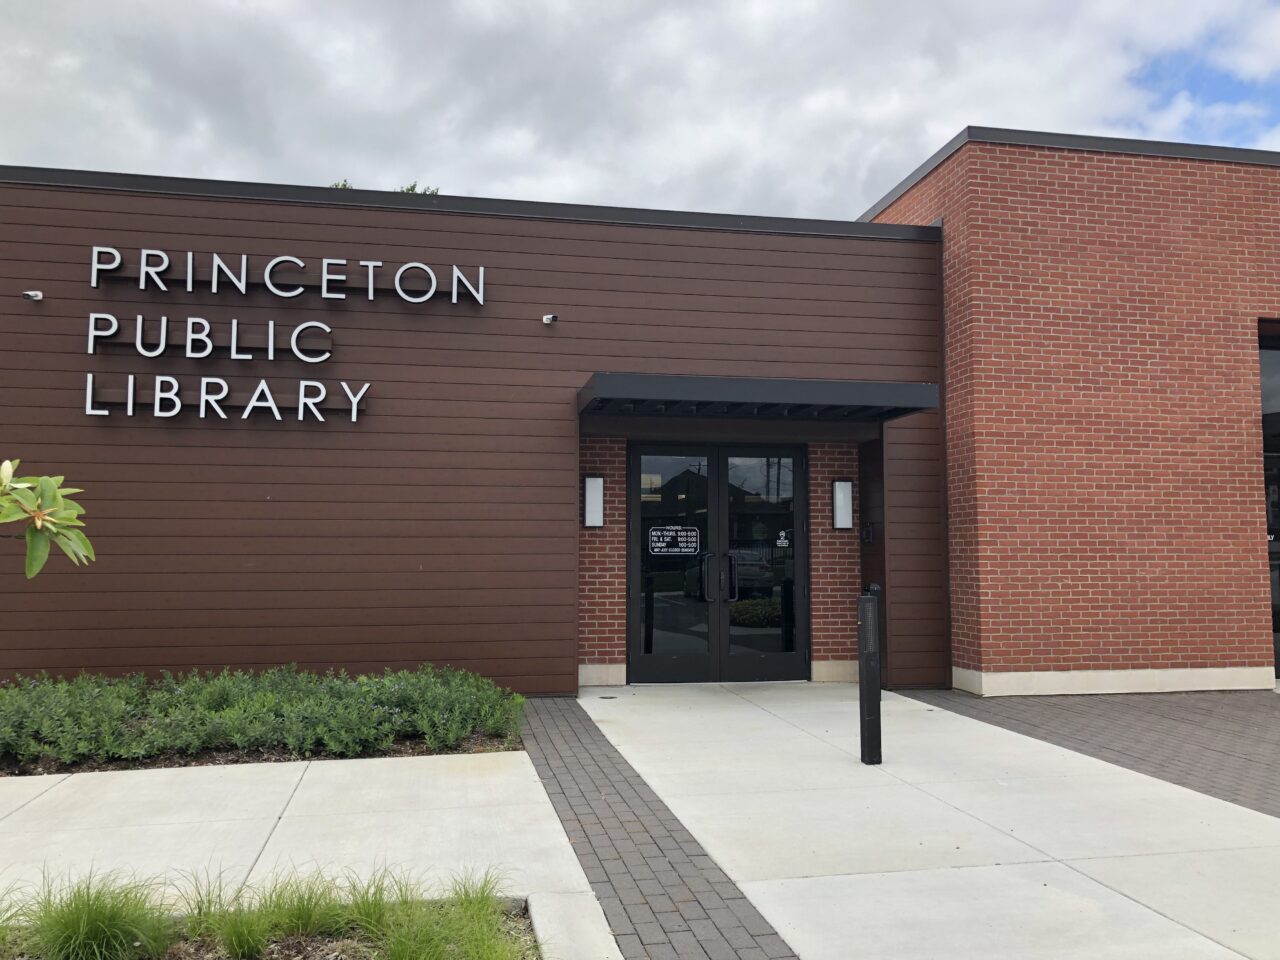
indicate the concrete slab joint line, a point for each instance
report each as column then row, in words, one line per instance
column 661, row 893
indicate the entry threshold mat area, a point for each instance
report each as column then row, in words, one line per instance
column 1222, row 744
column 663, row 896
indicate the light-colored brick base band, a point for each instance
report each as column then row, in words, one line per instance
column 1021, row 683
column 602, row 674
column 834, row 671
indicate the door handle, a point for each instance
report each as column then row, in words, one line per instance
column 706, row 580
column 733, row 577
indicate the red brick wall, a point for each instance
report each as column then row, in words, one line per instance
column 602, row 556
column 1105, row 488
column 835, row 579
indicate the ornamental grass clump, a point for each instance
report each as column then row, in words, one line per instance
column 10, row 944
column 372, row 901
column 242, row 932
column 383, row 917
column 282, row 710
column 460, row 926
column 97, row 918
column 308, row 905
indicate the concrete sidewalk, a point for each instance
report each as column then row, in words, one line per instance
column 432, row 817
column 969, row 842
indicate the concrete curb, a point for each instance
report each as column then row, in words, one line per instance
column 571, row 926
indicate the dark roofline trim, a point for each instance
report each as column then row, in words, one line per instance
column 882, row 397
column 525, row 209
column 1069, row 141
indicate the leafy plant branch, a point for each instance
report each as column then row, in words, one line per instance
column 50, row 516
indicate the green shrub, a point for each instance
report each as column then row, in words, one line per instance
column 101, row 718
column 764, row 612
column 98, row 918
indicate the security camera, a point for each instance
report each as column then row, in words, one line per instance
column 549, row 318
column 32, row 295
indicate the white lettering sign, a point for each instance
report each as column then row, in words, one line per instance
column 212, row 338
column 285, row 275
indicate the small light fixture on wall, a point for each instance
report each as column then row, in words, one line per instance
column 842, row 504
column 593, row 501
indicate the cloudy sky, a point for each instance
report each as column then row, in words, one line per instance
column 787, row 107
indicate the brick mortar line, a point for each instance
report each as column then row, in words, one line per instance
column 664, row 897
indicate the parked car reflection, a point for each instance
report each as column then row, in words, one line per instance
column 755, row 576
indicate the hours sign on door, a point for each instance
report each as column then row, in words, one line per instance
column 674, row 541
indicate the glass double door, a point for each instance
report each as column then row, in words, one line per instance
column 717, row 564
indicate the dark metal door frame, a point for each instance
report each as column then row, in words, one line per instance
column 718, row 664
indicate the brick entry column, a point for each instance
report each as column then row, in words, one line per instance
column 602, row 568
column 835, row 575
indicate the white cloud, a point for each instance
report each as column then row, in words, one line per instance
column 1250, row 49
column 803, row 109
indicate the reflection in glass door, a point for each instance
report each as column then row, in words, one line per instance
column 676, row 608
column 761, row 552
column 717, row 566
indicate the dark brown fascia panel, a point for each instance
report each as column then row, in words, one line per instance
column 642, row 394
column 1070, row 141
column 524, row 209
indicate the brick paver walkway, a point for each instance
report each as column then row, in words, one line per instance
column 663, row 896
column 1226, row 745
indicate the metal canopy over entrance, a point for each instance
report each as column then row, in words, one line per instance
column 661, row 395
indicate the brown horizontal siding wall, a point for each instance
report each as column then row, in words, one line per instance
column 916, row 600
column 443, row 525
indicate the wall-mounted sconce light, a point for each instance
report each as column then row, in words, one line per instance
column 32, row 295
column 842, row 504
column 593, row 501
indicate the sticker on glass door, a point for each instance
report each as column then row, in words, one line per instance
column 674, row 541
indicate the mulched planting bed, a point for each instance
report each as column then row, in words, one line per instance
column 516, row 928
column 293, row 948
column 52, row 725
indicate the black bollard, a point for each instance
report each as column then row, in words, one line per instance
column 869, row 673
